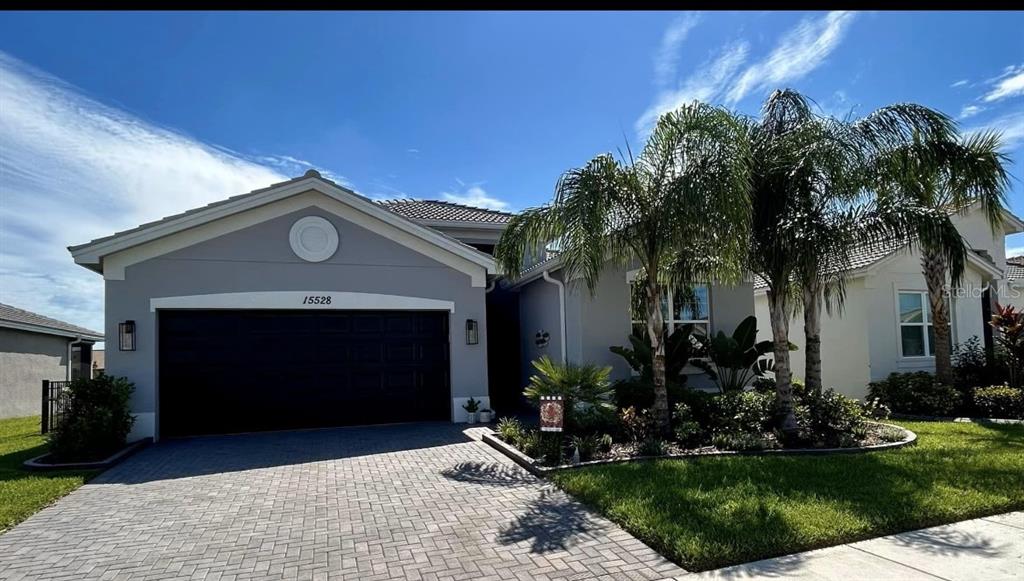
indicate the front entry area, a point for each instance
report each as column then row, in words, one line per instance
column 227, row 371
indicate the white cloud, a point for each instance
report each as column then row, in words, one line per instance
column 705, row 84
column 960, row 83
column 1009, row 84
column 1012, row 251
column 412, row 150
column 75, row 169
column 722, row 78
column 1010, row 126
column 475, row 195
column 667, row 59
column 799, row 52
column 970, row 111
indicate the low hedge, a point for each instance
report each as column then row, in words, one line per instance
column 916, row 394
column 1000, row 401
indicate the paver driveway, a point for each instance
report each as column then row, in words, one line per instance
column 421, row 501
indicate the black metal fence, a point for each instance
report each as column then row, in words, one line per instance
column 55, row 401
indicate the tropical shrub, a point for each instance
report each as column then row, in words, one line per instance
column 530, row 443
column 743, row 441
column 651, row 447
column 604, row 443
column 589, row 419
column 1010, row 326
column 678, row 350
column 915, row 393
column 733, row 361
column 747, row 412
column 830, row 419
column 1000, row 401
column 875, row 409
column 639, row 393
column 637, row 425
column 97, row 419
column 687, row 431
column 586, row 445
column 971, row 366
column 579, row 385
column 511, row 430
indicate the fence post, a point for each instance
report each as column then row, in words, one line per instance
column 46, row 410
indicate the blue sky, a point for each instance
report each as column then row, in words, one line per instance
column 111, row 120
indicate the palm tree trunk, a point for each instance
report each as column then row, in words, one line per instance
column 934, row 269
column 812, row 336
column 783, row 375
column 656, row 331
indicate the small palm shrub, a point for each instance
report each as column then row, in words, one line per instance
column 510, row 430
column 1000, row 401
column 915, row 393
column 586, row 445
column 579, row 385
column 97, row 419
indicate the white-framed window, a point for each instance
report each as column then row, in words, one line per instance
column 689, row 305
column 916, row 327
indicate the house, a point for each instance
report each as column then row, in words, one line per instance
column 34, row 348
column 885, row 324
column 306, row 305
column 1013, row 293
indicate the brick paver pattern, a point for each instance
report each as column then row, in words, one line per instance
column 419, row 501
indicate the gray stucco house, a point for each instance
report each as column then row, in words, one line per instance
column 34, row 348
column 306, row 305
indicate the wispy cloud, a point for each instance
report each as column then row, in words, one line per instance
column 799, row 52
column 412, row 150
column 970, row 111
column 666, row 61
column 76, row 169
column 1008, row 84
column 1010, row 126
column 722, row 78
column 475, row 195
column 958, row 84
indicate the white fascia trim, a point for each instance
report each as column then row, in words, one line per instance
column 114, row 264
column 294, row 300
column 93, row 254
column 1012, row 224
column 461, row 225
column 49, row 331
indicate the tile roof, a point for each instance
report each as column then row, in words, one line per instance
column 1015, row 268
column 445, row 211
column 860, row 257
column 9, row 314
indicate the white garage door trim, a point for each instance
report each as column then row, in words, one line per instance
column 303, row 300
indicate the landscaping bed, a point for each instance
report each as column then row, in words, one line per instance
column 724, row 510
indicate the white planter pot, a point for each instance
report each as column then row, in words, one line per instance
column 471, row 417
column 485, row 417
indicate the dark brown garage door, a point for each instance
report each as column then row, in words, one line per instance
column 240, row 371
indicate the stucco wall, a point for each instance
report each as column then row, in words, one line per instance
column 26, row 359
column 538, row 311
column 259, row 258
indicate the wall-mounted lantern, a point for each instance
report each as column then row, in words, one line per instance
column 472, row 332
column 126, row 335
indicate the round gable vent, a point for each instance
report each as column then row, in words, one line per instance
column 313, row 239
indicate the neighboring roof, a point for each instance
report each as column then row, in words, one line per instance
column 1015, row 269
column 550, row 264
column 91, row 253
column 441, row 211
column 15, row 318
column 861, row 257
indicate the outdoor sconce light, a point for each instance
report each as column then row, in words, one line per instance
column 126, row 334
column 472, row 332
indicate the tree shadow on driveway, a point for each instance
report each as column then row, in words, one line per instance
column 552, row 522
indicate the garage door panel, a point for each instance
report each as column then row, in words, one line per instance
column 230, row 371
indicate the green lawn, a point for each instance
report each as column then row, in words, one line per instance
column 21, row 492
column 714, row 512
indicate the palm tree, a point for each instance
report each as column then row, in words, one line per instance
column 948, row 175
column 679, row 210
column 809, row 182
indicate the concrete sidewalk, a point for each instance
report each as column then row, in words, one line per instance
column 984, row 549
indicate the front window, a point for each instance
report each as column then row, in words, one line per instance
column 917, row 330
column 689, row 305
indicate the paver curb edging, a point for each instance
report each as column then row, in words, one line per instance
column 35, row 464
column 956, row 419
column 535, row 468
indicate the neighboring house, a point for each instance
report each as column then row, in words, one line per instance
column 306, row 305
column 34, row 348
column 99, row 362
column 1013, row 293
column 885, row 325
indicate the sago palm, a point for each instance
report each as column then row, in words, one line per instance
column 679, row 211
